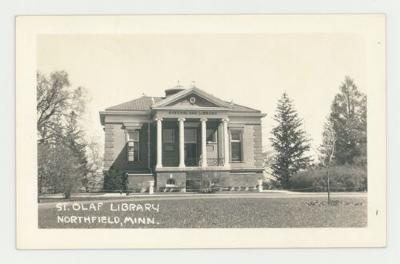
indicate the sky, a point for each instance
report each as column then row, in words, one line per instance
column 250, row 69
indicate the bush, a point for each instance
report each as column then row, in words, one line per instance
column 341, row 179
column 271, row 184
column 59, row 169
column 114, row 180
column 208, row 186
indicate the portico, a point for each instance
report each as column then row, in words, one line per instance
column 193, row 152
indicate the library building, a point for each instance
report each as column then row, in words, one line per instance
column 187, row 140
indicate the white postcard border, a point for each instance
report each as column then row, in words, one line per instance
column 371, row 27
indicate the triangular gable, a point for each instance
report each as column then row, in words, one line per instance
column 183, row 98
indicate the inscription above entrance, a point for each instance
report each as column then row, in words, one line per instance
column 174, row 112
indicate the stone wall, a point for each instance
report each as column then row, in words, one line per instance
column 197, row 180
column 258, row 154
column 108, row 145
column 248, row 145
column 139, row 182
column 226, row 179
column 163, row 177
column 115, row 152
column 238, row 180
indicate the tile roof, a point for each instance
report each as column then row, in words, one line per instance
column 144, row 103
column 139, row 104
column 241, row 108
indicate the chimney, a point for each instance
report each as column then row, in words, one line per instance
column 174, row 90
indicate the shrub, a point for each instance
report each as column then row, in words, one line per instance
column 271, row 184
column 209, row 186
column 114, row 180
column 344, row 178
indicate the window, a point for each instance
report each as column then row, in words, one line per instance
column 133, row 145
column 211, row 135
column 190, row 135
column 169, row 135
column 169, row 139
column 236, row 145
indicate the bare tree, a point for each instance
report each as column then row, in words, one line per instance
column 56, row 100
column 62, row 162
column 95, row 161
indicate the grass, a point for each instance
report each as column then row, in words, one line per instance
column 214, row 212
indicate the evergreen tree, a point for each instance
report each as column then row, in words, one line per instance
column 289, row 142
column 348, row 123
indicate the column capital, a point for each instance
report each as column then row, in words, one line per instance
column 158, row 119
column 181, row 119
column 225, row 120
column 203, row 119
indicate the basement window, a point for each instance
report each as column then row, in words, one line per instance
column 171, row 181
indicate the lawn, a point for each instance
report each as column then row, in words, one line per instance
column 207, row 212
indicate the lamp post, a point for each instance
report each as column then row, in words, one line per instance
column 333, row 142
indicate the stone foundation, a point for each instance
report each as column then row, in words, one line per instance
column 139, row 182
column 197, row 181
column 177, row 181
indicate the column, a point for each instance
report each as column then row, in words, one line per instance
column 181, row 121
column 159, row 142
column 226, row 142
column 204, row 142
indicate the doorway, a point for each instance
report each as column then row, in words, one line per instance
column 191, row 153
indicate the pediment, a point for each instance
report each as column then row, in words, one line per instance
column 193, row 97
column 192, row 100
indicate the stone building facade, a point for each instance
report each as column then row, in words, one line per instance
column 187, row 140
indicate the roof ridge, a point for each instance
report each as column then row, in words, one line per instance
column 147, row 102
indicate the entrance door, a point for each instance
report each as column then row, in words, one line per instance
column 191, row 157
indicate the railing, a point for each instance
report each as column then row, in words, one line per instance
column 215, row 161
column 191, row 162
column 194, row 162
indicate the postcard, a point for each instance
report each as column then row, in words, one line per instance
column 201, row 131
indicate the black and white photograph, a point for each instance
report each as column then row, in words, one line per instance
column 192, row 154
column 184, row 129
